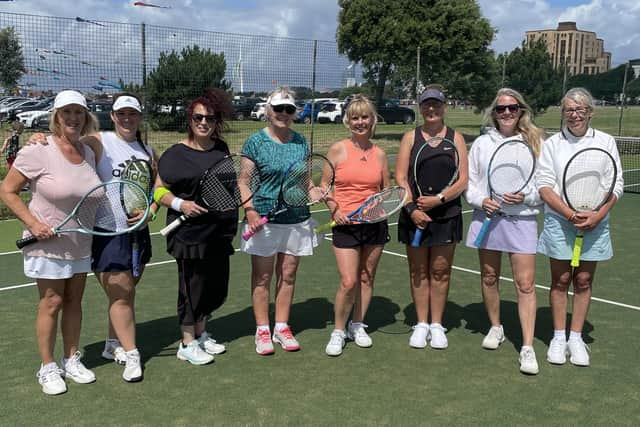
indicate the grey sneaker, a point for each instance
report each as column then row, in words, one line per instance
column 578, row 352
column 50, row 378
column 359, row 335
column 336, row 343
column 528, row 362
column 494, row 338
column 208, row 344
column 264, row 345
column 285, row 338
column 73, row 368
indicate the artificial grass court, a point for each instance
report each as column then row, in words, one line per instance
column 388, row 384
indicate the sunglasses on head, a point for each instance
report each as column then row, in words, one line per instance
column 210, row 118
column 289, row 109
column 513, row 108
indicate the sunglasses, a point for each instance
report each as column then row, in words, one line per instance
column 289, row 109
column 513, row 108
column 197, row 118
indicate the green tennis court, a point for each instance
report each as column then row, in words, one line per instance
column 389, row 383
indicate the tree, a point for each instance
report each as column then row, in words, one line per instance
column 529, row 70
column 607, row 85
column 11, row 59
column 384, row 36
column 179, row 78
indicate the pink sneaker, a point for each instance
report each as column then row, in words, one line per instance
column 285, row 338
column 264, row 346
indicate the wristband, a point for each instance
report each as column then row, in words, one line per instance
column 410, row 207
column 176, row 203
column 159, row 193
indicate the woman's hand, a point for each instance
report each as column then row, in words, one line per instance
column 253, row 220
column 340, row 218
column 426, row 203
column 490, row 206
column 513, row 198
column 191, row 209
column 41, row 231
column 420, row 218
column 37, row 138
column 586, row 221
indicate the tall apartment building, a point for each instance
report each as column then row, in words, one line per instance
column 581, row 51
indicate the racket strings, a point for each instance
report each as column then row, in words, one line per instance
column 381, row 205
column 588, row 180
column 230, row 183
column 140, row 172
column 511, row 167
column 101, row 208
column 303, row 184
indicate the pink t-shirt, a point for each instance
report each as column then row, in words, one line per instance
column 56, row 186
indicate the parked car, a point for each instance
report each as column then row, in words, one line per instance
column 258, row 111
column 390, row 111
column 331, row 112
column 6, row 109
column 304, row 116
column 101, row 110
column 243, row 107
column 30, row 118
column 42, row 105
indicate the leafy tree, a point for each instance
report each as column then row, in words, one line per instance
column 453, row 37
column 529, row 70
column 181, row 77
column 11, row 59
column 607, row 85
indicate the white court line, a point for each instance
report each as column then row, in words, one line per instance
column 327, row 237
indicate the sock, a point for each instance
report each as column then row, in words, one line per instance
column 50, row 365
column 113, row 341
column 355, row 325
column 131, row 352
column 525, row 346
column 424, row 324
column 436, row 324
column 575, row 335
column 280, row 326
column 560, row 333
column 262, row 328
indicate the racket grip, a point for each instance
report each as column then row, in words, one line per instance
column 135, row 259
column 175, row 224
column 246, row 236
column 577, row 250
column 482, row 232
column 416, row 238
column 324, row 227
column 21, row 243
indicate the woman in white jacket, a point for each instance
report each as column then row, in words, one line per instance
column 513, row 229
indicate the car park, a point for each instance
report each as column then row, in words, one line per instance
column 390, row 111
column 331, row 112
column 258, row 111
column 242, row 108
column 30, row 118
column 304, row 116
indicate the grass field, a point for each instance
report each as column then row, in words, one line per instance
column 388, row 384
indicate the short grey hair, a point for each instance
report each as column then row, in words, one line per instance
column 579, row 95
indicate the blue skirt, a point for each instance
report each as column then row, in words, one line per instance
column 512, row 234
column 558, row 236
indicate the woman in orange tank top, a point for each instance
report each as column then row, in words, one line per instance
column 361, row 171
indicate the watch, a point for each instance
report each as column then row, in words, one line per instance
column 441, row 197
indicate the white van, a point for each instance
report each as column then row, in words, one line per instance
column 331, row 112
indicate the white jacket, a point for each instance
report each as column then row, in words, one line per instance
column 478, row 188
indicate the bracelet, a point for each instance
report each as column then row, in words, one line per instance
column 159, row 193
column 410, row 207
column 176, row 203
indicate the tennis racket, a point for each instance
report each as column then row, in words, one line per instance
column 224, row 186
column 305, row 183
column 141, row 172
column 103, row 211
column 435, row 168
column 588, row 181
column 510, row 169
column 376, row 208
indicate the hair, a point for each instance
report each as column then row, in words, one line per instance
column 216, row 101
column 17, row 126
column 91, row 124
column 579, row 95
column 358, row 106
column 284, row 91
column 526, row 127
column 115, row 98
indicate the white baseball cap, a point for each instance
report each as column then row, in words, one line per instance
column 126, row 101
column 67, row 97
column 281, row 99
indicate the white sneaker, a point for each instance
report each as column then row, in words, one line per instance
column 73, row 368
column 133, row 369
column 359, row 335
column 420, row 336
column 438, row 338
column 50, row 378
column 528, row 362
column 210, row 345
column 114, row 351
column 557, row 353
column 578, row 352
column 336, row 343
column 494, row 338
column 193, row 354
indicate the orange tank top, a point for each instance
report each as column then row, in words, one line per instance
column 357, row 177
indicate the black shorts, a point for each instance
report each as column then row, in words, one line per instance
column 355, row 235
column 113, row 253
column 438, row 232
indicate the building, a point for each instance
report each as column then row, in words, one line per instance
column 581, row 51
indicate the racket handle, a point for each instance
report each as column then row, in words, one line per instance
column 577, row 250
column 246, row 236
column 175, row 224
column 21, row 243
column 135, row 259
column 482, row 232
column 416, row 238
column 324, row 227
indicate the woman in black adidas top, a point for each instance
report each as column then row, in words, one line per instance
column 439, row 216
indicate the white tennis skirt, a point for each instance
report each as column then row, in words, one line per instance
column 39, row 267
column 512, row 234
column 291, row 239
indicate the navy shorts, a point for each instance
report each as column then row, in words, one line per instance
column 113, row 253
column 355, row 235
column 438, row 232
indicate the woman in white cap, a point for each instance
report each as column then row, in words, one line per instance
column 281, row 242
column 59, row 173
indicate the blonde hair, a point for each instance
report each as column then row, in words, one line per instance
column 284, row 91
column 531, row 133
column 90, row 123
column 360, row 105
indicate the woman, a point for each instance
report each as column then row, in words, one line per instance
column 561, row 224
column 281, row 242
column 440, row 217
column 361, row 170
column 59, row 173
column 202, row 244
column 11, row 144
column 513, row 231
